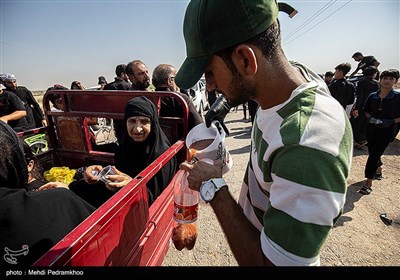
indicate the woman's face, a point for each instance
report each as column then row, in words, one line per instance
column 138, row 128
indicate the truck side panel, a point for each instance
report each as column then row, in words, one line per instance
column 124, row 231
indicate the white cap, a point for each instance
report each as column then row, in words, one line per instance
column 10, row 77
column 7, row 77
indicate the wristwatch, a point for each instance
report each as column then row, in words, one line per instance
column 210, row 187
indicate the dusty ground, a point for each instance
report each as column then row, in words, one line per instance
column 359, row 238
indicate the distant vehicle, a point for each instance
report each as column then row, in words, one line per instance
column 198, row 95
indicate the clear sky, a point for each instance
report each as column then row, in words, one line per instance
column 44, row 42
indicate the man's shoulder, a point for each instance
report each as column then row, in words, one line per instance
column 110, row 86
column 10, row 95
column 366, row 82
column 6, row 92
column 22, row 88
column 369, row 59
column 184, row 96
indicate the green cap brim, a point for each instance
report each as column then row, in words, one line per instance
column 191, row 71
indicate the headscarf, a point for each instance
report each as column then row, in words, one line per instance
column 13, row 166
column 132, row 157
column 31, row 222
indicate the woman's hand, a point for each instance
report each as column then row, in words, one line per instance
column 117, row 180
column 52, row 185
column 90, row 174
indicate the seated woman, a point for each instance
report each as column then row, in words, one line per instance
column 31, row 222
column 143, row 142
column 35, row 169
column 36, row 180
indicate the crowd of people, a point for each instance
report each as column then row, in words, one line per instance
column 374, row 126
column 302, row 138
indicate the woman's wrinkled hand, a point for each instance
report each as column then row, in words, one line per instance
column 90, row 174
column 52, row 185
column 117, row 180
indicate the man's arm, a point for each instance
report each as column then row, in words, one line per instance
column 354, row 72
column 242, row 236
column 16, row 115
column 31, row 100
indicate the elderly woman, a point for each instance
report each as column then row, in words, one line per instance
column 143, row 142
column 31, row 222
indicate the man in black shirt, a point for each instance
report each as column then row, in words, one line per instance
column 164, row 80
column 34, row 114
column 12, row 111
column 121, row 81
column 341, row 89
column 364, row 62
column 358, row 119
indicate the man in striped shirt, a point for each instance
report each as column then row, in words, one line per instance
column 295, row 184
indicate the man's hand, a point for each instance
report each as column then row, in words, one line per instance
column 201, row 171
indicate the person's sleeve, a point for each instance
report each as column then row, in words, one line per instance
column 16, row 102
column 359, row 94
column 33, row 102
column 306, row 199
column 367, row 104
column 351, row 93
column 194, row 116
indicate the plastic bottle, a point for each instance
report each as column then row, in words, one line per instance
column 186, row 201
column 186, row 205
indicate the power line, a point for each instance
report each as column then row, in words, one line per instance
column 310, row 19
column 319, row 22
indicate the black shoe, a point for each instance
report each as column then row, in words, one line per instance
column 365, row 190
column 385, row 219
column 378, row 176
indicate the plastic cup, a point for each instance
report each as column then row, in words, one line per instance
column 104, row 173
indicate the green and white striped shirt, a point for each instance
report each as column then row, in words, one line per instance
column 295, row 185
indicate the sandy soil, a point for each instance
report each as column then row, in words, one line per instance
column 360, row 238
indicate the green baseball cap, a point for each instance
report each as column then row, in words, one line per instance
column 213, row 25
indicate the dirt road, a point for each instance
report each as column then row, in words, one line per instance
column 360, row 238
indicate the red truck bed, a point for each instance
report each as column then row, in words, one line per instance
column 124, row 231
